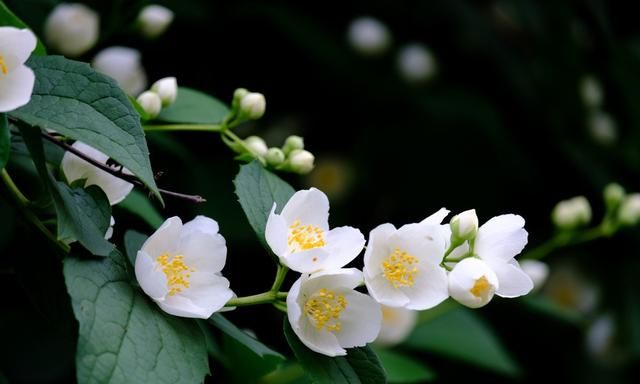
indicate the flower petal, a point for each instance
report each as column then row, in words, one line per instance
column 384, row 293
column 423, row 241
column 501, row 238
column 308, row 261
column 377, row 249
column 513, row 280
column 16, row 88
column 309, row 206
column 152, row 281
column 16, row 46
column 320, row 341
column 207, row 294
column 276, row 233
column 431, row 288
column 360, row 321
column 164, row 239
column 437, row 217
column 203, row 248
column 345, row 278
column 343, row 245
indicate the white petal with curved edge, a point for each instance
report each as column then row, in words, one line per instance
column 360, row 321
column 201, row 224
column 320, row 341
column 383, row 292
column 276, row 233
column 513, row 280
column 343, row 245
column 164, row 239
column 501, row 238
column 17, row 44
column 431, row 287
column 16, row 88
column 397, row 324
column 309, row 206
column 294, row 311
column 203, row 251
column 152, row 280
column 463, row 278
column 207, row 294
column 308, row 261
column 420, row 240
column 344, row 278
column 437, row 217
column 377, row 248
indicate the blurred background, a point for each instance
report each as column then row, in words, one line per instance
column 501, row 106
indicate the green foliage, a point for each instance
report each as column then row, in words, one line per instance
column 138, row 204
column 125, row 338
column 194, row 107
column 242, row 337
column 257, row 189
column 5, row 141
column 462, row 335
column 401, row 368
column 8, row 18
column 133, row 241
column 71, row 98
column 359, row 366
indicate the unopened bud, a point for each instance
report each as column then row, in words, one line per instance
column 369, row 36
column 301, row 161
column 591, row 92
column 151, row 103
column 167, row 89
column 252, row 105
column 256, row 145
column 629, row 213
column 464, row 226
column 572, row 213
column 274, row 157
column 292, row 143
column 613, row 194
column 154, row 19
column 72, row 29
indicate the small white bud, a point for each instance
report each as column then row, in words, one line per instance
column 292, row 143
column 591, row 92
column 602, row 128
column 167, row 89
column 256, row 145
column 252, row 105
column 538, row 271
column 123, row 65
column 72, row 29
column 416, row 63
column 472, row 283
column 629, row 213
column 151, row 103
column 572, row 213
column 301, row 161
column 613, row 194
column 275, row 157
column 369, row 36
column 154, row 19
column 464, row 226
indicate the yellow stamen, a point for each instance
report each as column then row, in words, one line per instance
column 481, row 287
column 324, row 309
column 176, row 271
column 400, row 268
column 305, row 237
column 3, row 66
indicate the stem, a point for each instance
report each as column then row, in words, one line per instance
column 260, row 298
column 184, row 127
column 21, row 198
column 281, row 273
column 238, row 141
column 563, row 240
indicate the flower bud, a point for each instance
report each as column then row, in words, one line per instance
column 629, row 213
column 538, row 271
column 613, row 194
column 369, row 36
column 151, row 103
column 274, row 157
column 252, row 105
column 591, row 92
column 292, row 143
column 416, row 63
column 72, row 29
column 167, row 89
column 123, row 65
column 603, row 128
column 256, row 145
column 472, row 283
column 301, row 161
column 464, row 226
column 572, row 213
column 153, row 20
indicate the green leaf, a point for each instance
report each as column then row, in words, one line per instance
column 71, row 98
column 460, row 334
column 8, row 18
column 5, row 141
column 403, row 369
column 138, row 204
column 242, row 337
column 194, row 107
column 83, row 213
column 123, row 336
column 133, row 241
column 257, row 189
column 360, row 365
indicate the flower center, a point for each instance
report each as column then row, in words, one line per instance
column 400, row 268
column 481, row 287
column 324, row 310
column 304, row 237
column 176, row 271
column 3, row 66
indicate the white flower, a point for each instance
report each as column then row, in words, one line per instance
column 402, row 266
column 416, row 64
column 179, row 268
column 151, row 103
column 16, row 79
column 123, row 65
column 369, row 36
column 72, row 29
column 253, row 105
column 256, row 145
column 397, row 324
column 75, row 168
column 537, row 270
column 629, row 213
column 602, row 127
column 154, row 19
column 591, row 92
column 301, row 161
column 464, row 226
column 498, row 241
column 301, row 238
column 328, row 315
column 571, row 213
column 167, row 89
column 109, row 232
column 472, row 283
